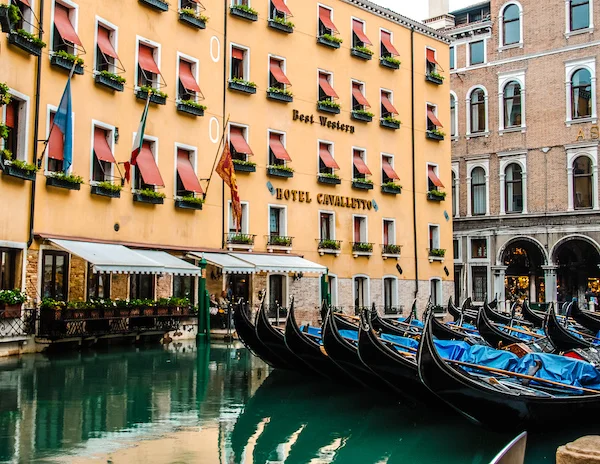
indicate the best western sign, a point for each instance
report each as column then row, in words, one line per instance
column 322, row 120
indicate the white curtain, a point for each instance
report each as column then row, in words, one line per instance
column 478, row 191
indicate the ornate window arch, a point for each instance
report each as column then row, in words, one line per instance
column 580, row 78
column 582, row 177
column 511, row 20
column 512, row 108
column 477, row 113
column 513, row 182
column 453, row 115
column 478, row 188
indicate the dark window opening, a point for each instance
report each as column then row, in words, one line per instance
column 582, row 183
column 581, row 94
column 55, row 275
column 98, row 284
column 8, row 268
column 141, row 287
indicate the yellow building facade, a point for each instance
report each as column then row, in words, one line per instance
column 339, row 154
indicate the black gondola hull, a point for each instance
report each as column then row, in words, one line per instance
column 588, row 320
column 559, row 336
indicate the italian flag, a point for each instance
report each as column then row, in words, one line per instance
column 137, row 143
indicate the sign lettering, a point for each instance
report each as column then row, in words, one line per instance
column 324, row 121
column 594, row 133
column 324, row 199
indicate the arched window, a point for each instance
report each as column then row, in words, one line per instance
column 582, row 183
column 581, row 94
column 512, row 104
column 513, row 188
column 512, row 25
column 477, row 104
column 453, row 128
column 478, row 191
column 454, row 199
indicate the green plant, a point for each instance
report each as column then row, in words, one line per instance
column 436, row 75
column 70, row 178
column 328, row 244
column 392, row 249
column 391, row 184
column 5, row 96
column 392, row 60
column 6, row 154
column 438, row 132
column 3, row 131
column 237, row 80
column 243, row 162
column 283, row 22
column 12, row 297
column 109, row 186
column 332, row 38
column 360, row 180
column 364, row 113
column 14, row 15
column 280, row 91
column 363, row 49
column 24, row 166
column 241, row 239
column 280, row 241
column 363, row 247
column 437, row 194
column 152, row 91
column 280, row 167
column 52, row 304
column 244, row 8
column 437, row 252
column 329, row 175
column 392, row 119
column 330, row 104
column 192, row 12
column 113, row 77
column 192, row 200
column 192, row 104
column 69, row 57
column 148, row 193
column 31, row 38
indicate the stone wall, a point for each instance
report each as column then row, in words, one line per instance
column 31, row 276
column 164, row 286
column 77, row 282
column 119, row 286
column 307, row 297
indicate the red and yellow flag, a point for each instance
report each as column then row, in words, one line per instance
column 226, row 171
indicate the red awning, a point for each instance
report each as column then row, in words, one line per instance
column 146, row 59
column 433, row 177
column 187, row 78
column 278, row 73
column 358, row 95
column 326, row 86
column 360, row 165
column 237, row 53
column 325, row 17
column 433, row 118
column 64, row 26
column 186, row 172
column 26, row 2
column 387, row 104
column 431, row 56
column 238, row 141
column 277, row 148
column 105, row 44
column 9, row 119
column 281, row 7
column 388, row 169
column 55, row 142
column 326, row 157
column 359, row 29
column 101, row 147
column 386, row 40
column 148, row 168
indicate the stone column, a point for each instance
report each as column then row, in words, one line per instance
column 532, row 288
column 499, row 288
column 550, row 283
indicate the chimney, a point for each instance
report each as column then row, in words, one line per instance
column 438, row 8
column 438, row 15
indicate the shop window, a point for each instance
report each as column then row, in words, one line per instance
column 512, row 105
column 238, row 143
column 582, row 183
column 327, row 226
column 478, row 116
column 360, row 170
column 387, row 107
column 244, row 226
column 15, row 120
column 511, row 25
column 359, row 101
column 148, row 71
column 326, row 90
column 476, row 52
column 479, row 279
column 435, row 292
column 141, row 286
column 277, row 77
column 359, row 38
column 326, row 25
column 388, row 174
column 106, row 55
column 103, row 158
column 56, row 147
column 360, row 229
column 64, row 37
column 8, row 268
column 579, row 14
column 327, row 165
column 479, row 248
column 389, row 232
column 513, row 185
column 239, row 63
column 432, row 121
column 434, row 237
column 55, row 274
column 277, row 223
column 278, row 155
column 277, row 294
column 187, row 183
column 478, row 191
column 98, row 284
column 581, row 94
column 390, row 295
column 188, row 88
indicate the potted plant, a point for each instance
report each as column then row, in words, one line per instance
column 9, row 15
column 362, row 184
column 244, row 11
column 159, row 5
column 191, row 107
column 10, row 303
column 362, row 247
column 240, row 239
column 278, row 240
column 107, row 189
column 329, row 106
column 280, row 170
column 281, row 24
column 390, row 62
column 156, row 96
column 362, row 52
column 189, row 202
column 276, row 93
column 390, row 122
column 63, row 180
column 434, row 77
column 64, row 60
column 122, row 307
column 26, row 41
column 17, row 168
column 110, row 80
column 436, row 195
column 242, row 85
column 3, row 131
column 5, row 96
column 244, row 166
column 328, row 178
column 435, row 134
column 437, row 252
column 190, row 17
column 149, row 196
column 362, row 115
column 329, row 40
column 391, row 250
column 391, row 187
column 327, row 244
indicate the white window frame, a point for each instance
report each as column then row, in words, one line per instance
column 154, row 150
column 458, row 259
column 196, row 6
column 195, row 70
column 395, row 299
column 391, row 160
column 503, row 80
column 29, row 18
column 364, row 228
column 382, row 29
column 391, row 240
column 436, row 170
column 468, row 52
column 570, row 68
column 283, row 62
column 330, row 15
column 434, row 108
column 485, row 164
column 53, row 109
column 283, row 219
column 452, row 57
column 486, row 132
column 454, row 119
column 489, row 252
column 390, row 98
column 363, row 87
column 330, row 80
column 245, row 217
column 239, row 2
column 245, row 132
column 333, row 228
column 114, row 32
column 363, row 156
column 456, row 198
column 23, row 124
column 506, row 159
column 435, row 227
column 283, row 138
column 364, row 28
column 73, row 18
column 440, row 290
column 331, row 151
column 519, row 44
column 573, row 152
column 156, row 55
column 434, row 55
column 286, row 287
column 589, row 29
column 367, row 296
column 111, row 144
column 194, row 161
column 246, row 66
column 333, row 290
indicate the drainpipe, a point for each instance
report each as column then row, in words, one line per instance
column 414, row 183
column 36, row 129
column 225, row 6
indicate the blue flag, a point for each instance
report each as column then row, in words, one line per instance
column 63, row 119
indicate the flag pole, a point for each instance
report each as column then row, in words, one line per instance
column 216, row 157
column 123, row 179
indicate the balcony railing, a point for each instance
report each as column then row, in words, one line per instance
column 16, row 322
column 436, row 254
column 279, row 241
column 234, row 238
column 327, row 246
column 391, row 250
column 362, row 249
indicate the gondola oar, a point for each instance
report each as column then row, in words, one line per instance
column 521, row 376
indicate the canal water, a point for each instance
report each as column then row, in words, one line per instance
column 220, row 405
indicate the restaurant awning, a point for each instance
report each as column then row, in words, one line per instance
column 280, row 263
column 171, row 264
column 226, row 262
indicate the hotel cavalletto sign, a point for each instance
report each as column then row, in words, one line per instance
column 323, row 121
column 340, row 201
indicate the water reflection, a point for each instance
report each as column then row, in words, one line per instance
column 217, row 405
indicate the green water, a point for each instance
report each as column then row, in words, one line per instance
column 219, row 404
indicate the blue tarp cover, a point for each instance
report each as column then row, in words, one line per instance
column 350, row 334
column 404, row 341
column 311, row 330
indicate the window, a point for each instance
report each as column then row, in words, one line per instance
column 390, row 294
column 452, row 58
column 277, row 293
column 15, row 120
column 238, row 143
column 360, row 170
column 433, row 181
column 582, row 183
column 326, row 91
column 435, row 292
column 579, row 14
column 26, row 20
column 8, row 268
column 103, row 159
column 389, row 232
column 361, row 293
column 278, row 9
column 146, row 174
column 141, row 286
column 148, row 71
column 454, row 208
column 98, row 284
column 359, row 101
column 456, row 249
column 431, row 63
column 55, row 274
column 189, row 4
column 513, row 188
column 453, row 117
column 277, row 77
column 476, row 52
column 360, row 229
column 359, row 38
column 327, row 226
column 277, row 222
column 244, row 226
column 387, row 47
column 327, row 165
column 479, row 274
column 333, row 289
column 187, row 183
column 581, row 94
column 478, row 192
column 326, row 25
column 185, row 286
column 477, row 103
column 512, row 105
column 387, row 107
column 188, row 88
column 239, row 63
column 432, row 121
column 56, row 147
column 434, row 237
column 278, row 155
column 479, row 248
column 106, row 55
column 388, row 174
column 511, row 24
column 64, row 37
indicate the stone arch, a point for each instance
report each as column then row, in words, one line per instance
column 569, row 238
column 512, row 241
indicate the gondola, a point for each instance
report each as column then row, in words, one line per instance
column 453, row 310
column 447, row 332
column 403, row 329
column 587, row 319
column 467, row 312
column 494, row 315
column 560, row 336
column 498, row 405
column 496, row 337
column 530, row 315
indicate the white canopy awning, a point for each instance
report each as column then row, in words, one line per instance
column 228, row 263
column 170, row 263
column 281, row 263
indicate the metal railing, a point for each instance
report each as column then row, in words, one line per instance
column 279, row 240
column 362, row 247
column 391, row 249
column 13, row 324
column 327, row 244
column 277, row 312
column 234, row 238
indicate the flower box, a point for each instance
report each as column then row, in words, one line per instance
column 434, row 197
column 274, row 172
column 62, row 183
column 280, row 97
column 156, row 4
column 391, row 190
column 138, row 198
column 192, row 21
column 280, row 27
column 10, row 311
column 97, row 190
column 14, row 171
column 24, row 44
column 387, row 64
column 108, row 82
column 434, row 79
column 190, row 109
column 433, row 136
column 329, row 180
column 244, row 167
column 239, row 87
column 148, row 311
column 188, row 205
column 154, row 98
column 361, row 117
column 362, row 185
column 66, row 65
column 327, row 42
column 243, row 14
column 5, row 23
column 360, row 54
column 389, row 124
column 327, row 109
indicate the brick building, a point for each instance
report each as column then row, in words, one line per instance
column 524, row 148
